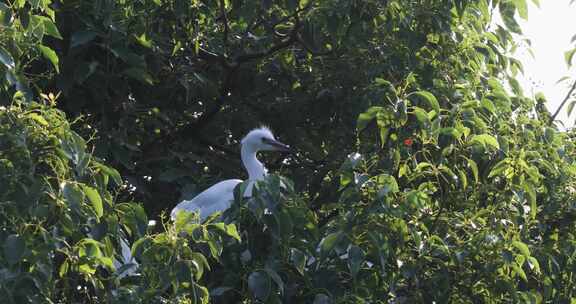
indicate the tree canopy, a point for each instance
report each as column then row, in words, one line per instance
column 422, row 173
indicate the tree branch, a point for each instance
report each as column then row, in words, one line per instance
column 564, row 101
column 275, row 48
column 230, row 68
column 310, row 50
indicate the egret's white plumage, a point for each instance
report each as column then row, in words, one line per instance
column 219, row 197
column 127, row 259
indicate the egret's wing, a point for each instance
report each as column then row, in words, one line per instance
column 128, row 266
column 126, row 251
column 216, row 198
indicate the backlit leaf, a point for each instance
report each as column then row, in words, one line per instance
column 568, row 55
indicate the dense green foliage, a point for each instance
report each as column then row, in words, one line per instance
column 423, row 172
column 61, row 224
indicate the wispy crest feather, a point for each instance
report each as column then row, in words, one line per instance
column 263, row 130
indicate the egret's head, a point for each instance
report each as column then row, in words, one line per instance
column 263, row 139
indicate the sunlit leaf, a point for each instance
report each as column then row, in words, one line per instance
column 49, row 26
column 429, row 98
column 486, row 140
column 94, row 198
column 523, row 248
column 50, row 55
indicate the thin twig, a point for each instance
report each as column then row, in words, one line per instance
column 564, row 101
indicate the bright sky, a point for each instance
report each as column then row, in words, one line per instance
column 550, row 29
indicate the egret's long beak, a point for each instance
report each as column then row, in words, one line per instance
column 278, row 146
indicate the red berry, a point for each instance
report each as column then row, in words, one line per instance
column 408, row 142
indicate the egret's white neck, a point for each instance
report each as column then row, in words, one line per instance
column 255, row 168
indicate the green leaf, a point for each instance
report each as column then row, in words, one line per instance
column 14, row 248
column 329, row 242
column 452, row 132
column 200, row 262
column 259, row 284
column 7, row 59
column 298, row 259
column 89, row 248
column 571, row 106
column 563, row 78
column 230, row 230
column 421, row 116
column 81, row 37
column 485, row 140
column 429, row 98
column 111, row 172
column 355, row 259
column 49, row 26
column 74, row 197
column 523, row 248
column 463, row 178
column 519, row 271
column 507, row 10
column 568, row 55
column 534, row 264
column 19, row 3
column 499, row 168
column 50, row 55
column 474, row 167
column 365, row 118
column 531, row 196
column 383, row 82
column 143, row 40
column 387, row 184
column 522, row 8
column 38, row 118
column 94, row 198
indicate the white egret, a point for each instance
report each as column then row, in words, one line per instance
column 127, row 259
column 219, row 197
